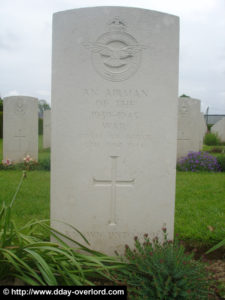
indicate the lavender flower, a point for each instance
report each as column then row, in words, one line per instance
column 197, row 162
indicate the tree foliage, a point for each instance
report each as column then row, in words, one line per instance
column 1, row 104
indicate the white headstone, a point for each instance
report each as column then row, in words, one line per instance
column 20, row 128
column 203, row 130
column 114, row 124
column 219, row 128
column 188, row 133
column 47, row 128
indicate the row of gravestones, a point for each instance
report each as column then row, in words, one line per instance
column 20, row 127
column 114, row 124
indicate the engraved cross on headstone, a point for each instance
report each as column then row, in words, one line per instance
column 113, row 183
column 20, row 136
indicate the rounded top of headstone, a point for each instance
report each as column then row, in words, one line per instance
column 114, row 44
column 190, row 99
column 105, row 8
column 24, row 98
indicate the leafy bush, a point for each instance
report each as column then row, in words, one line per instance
column 217, row 150
column 31, row 165
column 163, row 271
column 211, row 139
column 9, row 165
column 221, row 162
column 40, row 126
column 44, row 164
column 198, row 161
column 1, row 104
column 209, row 126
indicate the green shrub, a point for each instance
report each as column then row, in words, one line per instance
column 221, row 162
column 40, row 126
column 211, row 139
column 216, row 149
column 1, row 104
column 1, row 124
column 209, row 126
column 163, row 271
column 44, row 164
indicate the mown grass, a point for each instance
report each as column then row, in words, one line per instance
column 209, row 148
column 33, row 199
column 1, row 150
column 200, row 207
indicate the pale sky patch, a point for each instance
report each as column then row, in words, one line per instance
column 25, row 45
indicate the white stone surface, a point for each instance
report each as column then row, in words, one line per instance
column 219, row 128
column 114, row 123
column 20, row 128
column 203, row 130
column 189, row 129
column 47, row 129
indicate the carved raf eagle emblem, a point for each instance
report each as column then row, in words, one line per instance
column 116, row 54
column 115, row 57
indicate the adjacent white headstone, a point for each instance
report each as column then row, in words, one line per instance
column 219, row 128
column 203, row 130
column 188, row 133
column 20, row 128
column 47, row 129
column 114, row 123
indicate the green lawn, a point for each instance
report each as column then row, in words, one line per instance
column 1, row 150
column 200, row 207
column 33, row 199
column 200, row 201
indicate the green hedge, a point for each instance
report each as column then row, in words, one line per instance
column 40, row 126
column 211, row 139
column 1, row 104
column 1, row 124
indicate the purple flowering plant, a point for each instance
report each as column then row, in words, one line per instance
column 197, row 162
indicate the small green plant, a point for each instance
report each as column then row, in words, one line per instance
column 6, row 164
column 198, row 161
column 28, row 164
column 209, row 126
column 44, row 164
column 221, row 162
column 217, row 149
column 163, row 271
column 217, row 246
column 211, row 139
